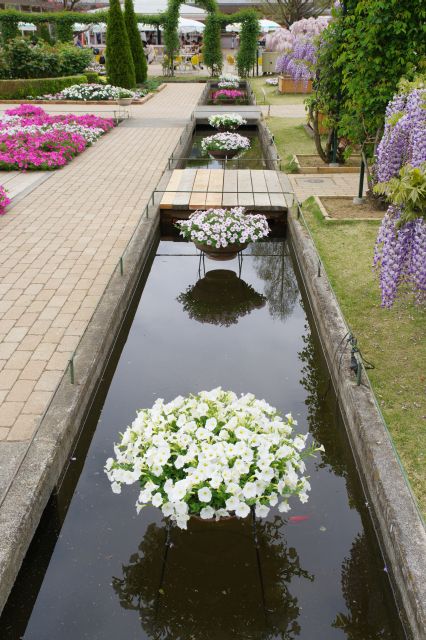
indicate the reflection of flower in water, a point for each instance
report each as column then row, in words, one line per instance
column 220, row 298
column 276, row 269
column 369, row 601
column 211, row 588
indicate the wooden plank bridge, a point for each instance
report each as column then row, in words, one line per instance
column 260, row 190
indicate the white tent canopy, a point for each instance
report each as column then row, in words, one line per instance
column 185, row 26
column 265, row 25
column 154, row 7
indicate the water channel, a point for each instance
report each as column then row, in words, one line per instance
column 96, row 570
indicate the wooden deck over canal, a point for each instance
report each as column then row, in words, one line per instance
column 191, row 189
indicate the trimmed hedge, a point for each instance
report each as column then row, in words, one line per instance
column 33, row 87
column 92, row 77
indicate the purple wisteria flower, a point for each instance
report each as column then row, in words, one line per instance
column 400, row 251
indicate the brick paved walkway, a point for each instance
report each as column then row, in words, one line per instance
column 332, row 184
column 60, row 244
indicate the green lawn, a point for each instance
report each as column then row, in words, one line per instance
column 290, row 137
column 393, row 340
column 272, row 95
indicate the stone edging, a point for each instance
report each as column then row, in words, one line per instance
column 396, row 519
column 328, row 218
column 49, row 450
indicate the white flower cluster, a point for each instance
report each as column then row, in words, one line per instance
column 11, row 127
column 222, row 227
column 225, row 141
column 228, row 81
column 211, row 455
column 92, row 92
column 272, row 81
column 229, row 120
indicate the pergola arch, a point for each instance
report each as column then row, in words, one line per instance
column 246, row 57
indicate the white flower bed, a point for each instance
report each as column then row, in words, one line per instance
column 222, row 227
column 272, row 81
column 225, row 141
column 90, row 134
column 230, row 120
column 211, row 455
column 228, row 81
column 93, row 92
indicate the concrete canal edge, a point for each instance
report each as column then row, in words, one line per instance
column 397, row 521
column 48, row 453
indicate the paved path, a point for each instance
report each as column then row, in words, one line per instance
column 60, row 244
column 332, row 184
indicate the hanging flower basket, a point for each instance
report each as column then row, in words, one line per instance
column 225, row 144
column 226, row 121
column 222, row 233
column 211, row 455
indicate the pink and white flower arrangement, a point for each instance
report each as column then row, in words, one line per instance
column 230, row 121
column 223, row 227
column 211, row 455
column 4, row 200
column 225, row 141
column 228, row 95
column 30, row 138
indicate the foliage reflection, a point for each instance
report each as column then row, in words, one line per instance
column 213, row 585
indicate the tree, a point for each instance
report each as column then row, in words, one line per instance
column 285, row 12
column 139, row 59
column 119, row 62
column 69, row 4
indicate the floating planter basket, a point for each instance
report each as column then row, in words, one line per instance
column 211, row 456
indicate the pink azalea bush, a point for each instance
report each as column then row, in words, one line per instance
column 30, row 138
column 4, row 200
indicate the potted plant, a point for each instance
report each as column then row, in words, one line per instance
column 124, row 97
column 225, row 144
column 211, row 456
column 228, row 81
column 223, row 233
column 228, row 96
column 226, row 121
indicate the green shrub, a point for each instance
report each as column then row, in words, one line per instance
column 139, row 60
column 44, row 33
column 119, row 62
column 92, row 77
column 73, row 60
column 9, row 29
column 34, row 87
column 64, row 31
column 18, row 59
column 211, row 44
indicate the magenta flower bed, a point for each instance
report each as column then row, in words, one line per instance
column 4, row 200
column 228, row 95
column 30, row 138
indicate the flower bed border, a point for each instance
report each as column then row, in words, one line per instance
column 77, row 102
column 298, row 157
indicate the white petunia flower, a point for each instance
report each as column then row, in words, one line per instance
column 242, row 510
column 204, row 494
column 207, row 513
column 283, row 507
column 261, row 510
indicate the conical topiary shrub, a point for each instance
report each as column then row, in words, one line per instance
column 139, row 60
column 119, row 62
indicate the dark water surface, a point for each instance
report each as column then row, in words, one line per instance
column 250, row 159
column 96, row 571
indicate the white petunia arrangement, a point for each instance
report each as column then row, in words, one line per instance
column 93, row 92
column 229, row 81
column 223, row 227
column 225, row 141
column 272, row 81
column 211, row 455
column 226, row 120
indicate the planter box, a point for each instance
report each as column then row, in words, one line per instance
column 269, row 61
column 305, row 166
column 286, row 84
